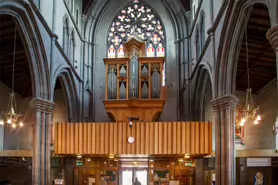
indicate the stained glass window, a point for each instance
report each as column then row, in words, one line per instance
column 139, row 21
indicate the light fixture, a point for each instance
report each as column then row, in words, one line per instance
column 250, row 112
column 11, row 117
column 275, row 126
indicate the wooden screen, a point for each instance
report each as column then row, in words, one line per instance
column 151, row 138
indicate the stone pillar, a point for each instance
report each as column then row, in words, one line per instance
column 272, row 36
column 41, row 141
column 224, row 108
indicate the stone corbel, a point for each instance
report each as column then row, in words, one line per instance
column 42, row 105
column 272, row 36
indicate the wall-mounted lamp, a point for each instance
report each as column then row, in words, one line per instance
column 275, row 127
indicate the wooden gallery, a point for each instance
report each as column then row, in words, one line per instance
column 134, row 146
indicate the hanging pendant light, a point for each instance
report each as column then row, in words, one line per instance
column 11, row 117
column 250, row 112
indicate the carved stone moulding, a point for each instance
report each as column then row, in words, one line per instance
column 43, row 105
column 224, row 102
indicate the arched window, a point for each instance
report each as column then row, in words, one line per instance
column 72, row 47
column 197, row 44
column 140, row 21
column 65, row 35
column 202, row 22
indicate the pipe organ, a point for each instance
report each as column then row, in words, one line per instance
column 134, row 84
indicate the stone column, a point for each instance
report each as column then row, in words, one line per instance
column 224, row 108
column 272, row 36
column 42, row 130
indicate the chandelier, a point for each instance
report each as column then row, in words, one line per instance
column 11, row 117
column 250, row 112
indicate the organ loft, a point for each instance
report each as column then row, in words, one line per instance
column 134, row 83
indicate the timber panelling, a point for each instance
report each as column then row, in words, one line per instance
column 151, row 138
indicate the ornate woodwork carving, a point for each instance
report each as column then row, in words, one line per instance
column 134, row 84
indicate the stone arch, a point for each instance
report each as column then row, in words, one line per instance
column 38, row 63
column 157, row 18
column 98, row 29
column 226, row 63
column 202, row 84
column 64, row 74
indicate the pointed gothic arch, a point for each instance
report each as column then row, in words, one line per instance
column 97, row 28
column 39, row 70
column 137, row 20
column 202, row 84
column 66, row 77
column 226, row 64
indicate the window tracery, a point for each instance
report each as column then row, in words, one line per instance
column 136, row 20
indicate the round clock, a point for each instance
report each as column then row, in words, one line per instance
column 131, row 140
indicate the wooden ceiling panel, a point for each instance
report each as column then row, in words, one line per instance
column 22, row 73
column 262, row 59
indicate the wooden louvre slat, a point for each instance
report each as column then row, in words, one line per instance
column 151, row 138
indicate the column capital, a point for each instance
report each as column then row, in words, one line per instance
column 43, row 105
column 224, row 102
column 272, row 36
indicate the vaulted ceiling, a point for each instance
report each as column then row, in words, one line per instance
column 262, row 58
column 87, row 3
column 22, row 80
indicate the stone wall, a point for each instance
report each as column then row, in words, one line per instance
column 260, row 136
column 22, row 138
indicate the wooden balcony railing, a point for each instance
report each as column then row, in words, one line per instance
column 150, row 138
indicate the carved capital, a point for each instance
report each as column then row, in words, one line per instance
column 272, row 36
column 224, row 102
column 43, row 105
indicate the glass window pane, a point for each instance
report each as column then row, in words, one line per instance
column 127, row 178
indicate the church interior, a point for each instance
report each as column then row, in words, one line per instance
column 143, row 92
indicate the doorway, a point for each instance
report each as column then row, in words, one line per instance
column 129, row 176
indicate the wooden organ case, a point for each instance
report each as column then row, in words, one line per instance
column 134, row 84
